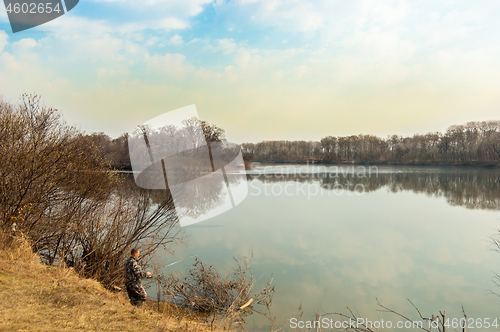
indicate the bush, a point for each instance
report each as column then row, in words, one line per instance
column 227, row 298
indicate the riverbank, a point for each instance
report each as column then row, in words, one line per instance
column 351, row 163
column 37, row 297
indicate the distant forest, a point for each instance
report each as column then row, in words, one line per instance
column 472, row 144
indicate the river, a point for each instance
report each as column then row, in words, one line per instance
column 338, row 237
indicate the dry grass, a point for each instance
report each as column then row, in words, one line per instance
column 36, row 297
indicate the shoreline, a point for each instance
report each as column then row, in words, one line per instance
column 478, row 165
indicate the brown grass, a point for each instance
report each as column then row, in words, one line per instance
column 36, row 297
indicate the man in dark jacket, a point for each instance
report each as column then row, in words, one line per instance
column 133, row 275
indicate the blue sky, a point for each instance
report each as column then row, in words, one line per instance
column 260, row 69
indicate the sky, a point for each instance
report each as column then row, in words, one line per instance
column 263, row 69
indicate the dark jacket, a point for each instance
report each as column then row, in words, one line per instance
column 133, row 272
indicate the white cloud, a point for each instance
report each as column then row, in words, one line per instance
column 68, row 26
column 226, row 45
column 168, row 23
column 476, row 67
column 9, row 62
column 131, row 48
column 104, row 73
column 449, row 27
column 3, row 40
column 3, row 16
column 186, row 7
column 173, row 64
column 258, row 62
column 301, row 71
column 246, row 61
column 152, row 41
column 203, row 73
column 176, row 40
column 166, row 15
column 308, row 16
column 290, row 15
column 382, row 44
column 382, row 12
column 105, row 49
column 22, row 73
column 24, row 44
column 87, row 42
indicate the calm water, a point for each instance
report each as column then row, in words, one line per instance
column 418, row 233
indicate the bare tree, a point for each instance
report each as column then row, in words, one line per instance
column 58, row 191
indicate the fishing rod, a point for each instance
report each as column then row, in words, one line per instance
column 181, row 260
column 161, row 278
column 151, row 276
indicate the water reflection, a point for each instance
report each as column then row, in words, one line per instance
column 412, row 232
column 473, row 188
column 199, row 197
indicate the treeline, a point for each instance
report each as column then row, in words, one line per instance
column 475, row 143
column 115, row 152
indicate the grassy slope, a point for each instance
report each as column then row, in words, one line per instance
column 35, row 297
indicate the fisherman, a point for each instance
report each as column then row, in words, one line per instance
column 133, row 275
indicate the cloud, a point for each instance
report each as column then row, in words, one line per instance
column 380, row 44
column 385, row 13
column 69, row 25
column 301, row 16
column 75, row 26
column 153, row 14
column 3, row 40
column 107, row 74
column 225, row 45
column 8, row 62
column 172, row 64
column 168, row 23
column 176, row 40
column 3, row 16
column 445, row 28
column 228, row 46
column 105, row 49
column 257, row 62
column 477, row 68
column 90, row 42
column 24, row 44
column 152, row 41
column 186, row 7
column 310, row 16
column 23, row 72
